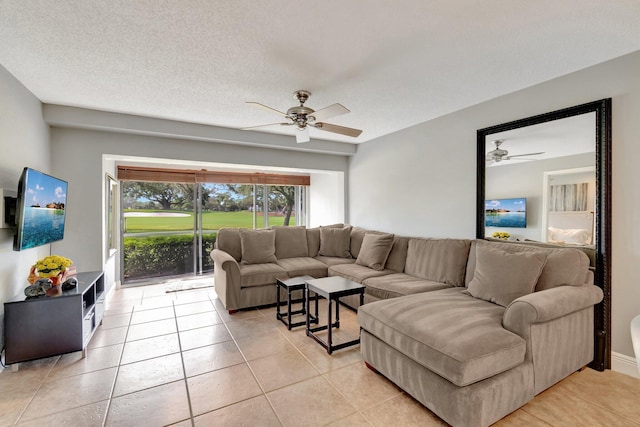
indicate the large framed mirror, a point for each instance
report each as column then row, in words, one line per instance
column 558, row 164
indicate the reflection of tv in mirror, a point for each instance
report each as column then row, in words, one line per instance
column 505, row 213
column 41, row 207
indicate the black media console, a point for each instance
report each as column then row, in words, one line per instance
column 47, row 326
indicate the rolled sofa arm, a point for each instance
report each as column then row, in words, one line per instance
column 543, row 306
column 226, row 272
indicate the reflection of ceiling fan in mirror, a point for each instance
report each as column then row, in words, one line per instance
column 499, row 154
column 302, row 117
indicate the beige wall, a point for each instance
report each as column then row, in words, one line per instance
column 24, row 141
column 421, row 181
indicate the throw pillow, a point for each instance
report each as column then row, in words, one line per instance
column 258, row 246
column 375, row 250
column 335, row 242
column 569, row 235
column 291, row 242
column 501, row 277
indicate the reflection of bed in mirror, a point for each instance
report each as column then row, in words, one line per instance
column 572, row 228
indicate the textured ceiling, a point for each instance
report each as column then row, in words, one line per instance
column 393, row 64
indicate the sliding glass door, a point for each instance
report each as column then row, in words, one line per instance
column 160, row 221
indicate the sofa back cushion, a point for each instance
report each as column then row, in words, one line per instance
column 291, row 242
column 398, row 255
column 374, row 250
column 313, row 239
column 335, row 242
column 357, row 237
column 439, row 260
column 500, row 277
column 228, row 240
column 258, row 246
column 564, row 266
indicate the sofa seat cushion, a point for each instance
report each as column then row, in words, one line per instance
column 260, row 274
column 399, row 284
column 449, row 332
column 330, row 260
column 303, row 266
column 356, row 272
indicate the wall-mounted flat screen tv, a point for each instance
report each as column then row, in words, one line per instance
column 40, row 210
column 506, row 213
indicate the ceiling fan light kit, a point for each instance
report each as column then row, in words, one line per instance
column 303, row 117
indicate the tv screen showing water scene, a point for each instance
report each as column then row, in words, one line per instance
column 42, row 200
column 505, row 213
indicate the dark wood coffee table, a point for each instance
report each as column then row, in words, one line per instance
column 331, row 288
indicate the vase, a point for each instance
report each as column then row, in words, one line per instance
column 55, row 280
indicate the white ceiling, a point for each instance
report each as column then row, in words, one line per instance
column 394, row 64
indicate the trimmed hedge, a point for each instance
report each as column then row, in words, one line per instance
column 153, row 256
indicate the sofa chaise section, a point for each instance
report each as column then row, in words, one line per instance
column 473, row 361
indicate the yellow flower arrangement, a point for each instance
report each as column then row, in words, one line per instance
column 502, row 235
column 52, row 265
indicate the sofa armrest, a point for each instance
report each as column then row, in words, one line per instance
column 543, row 306
column 226, row 279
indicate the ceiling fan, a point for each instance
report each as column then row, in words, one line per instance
column 498, row 154
column 303, row 117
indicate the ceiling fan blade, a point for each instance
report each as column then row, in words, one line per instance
column 528, row 154
column 270, row 124
column 273, row 110
column 329, row 112
column 342, row 130
column 302, row 135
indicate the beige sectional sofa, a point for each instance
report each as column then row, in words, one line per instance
column 470, row 328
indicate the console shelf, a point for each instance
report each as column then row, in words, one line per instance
column 47, row 326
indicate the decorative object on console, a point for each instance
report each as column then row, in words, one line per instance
column 502, row 235
column 54, row 267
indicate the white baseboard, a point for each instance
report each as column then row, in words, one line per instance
column 624, row 364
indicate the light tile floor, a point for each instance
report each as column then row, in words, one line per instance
column 180, row 359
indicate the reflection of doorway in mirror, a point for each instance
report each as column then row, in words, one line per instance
column 580, row 220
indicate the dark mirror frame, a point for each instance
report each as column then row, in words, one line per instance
column 602, row 274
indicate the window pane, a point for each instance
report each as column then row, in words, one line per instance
column 227, row 205
column 282, row 205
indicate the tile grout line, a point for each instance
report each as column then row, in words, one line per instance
column 35, row 392
column 255, row 378
column 184, row 369
column 115, row 379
